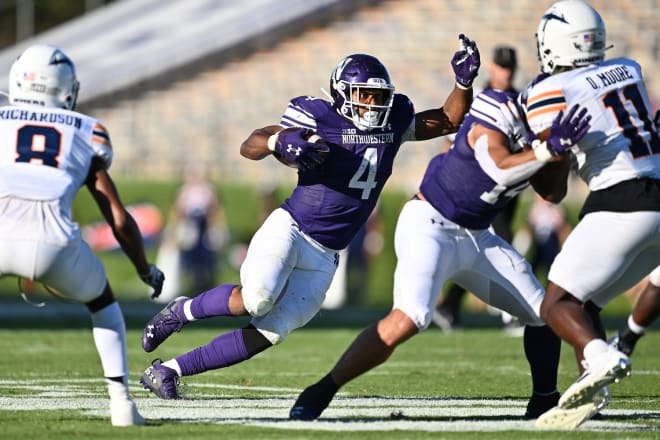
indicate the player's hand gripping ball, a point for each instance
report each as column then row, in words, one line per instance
column 299, row 148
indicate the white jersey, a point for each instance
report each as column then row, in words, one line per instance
column 42, row 144
column 619, row 159
column 622, row 143
column 45, row 157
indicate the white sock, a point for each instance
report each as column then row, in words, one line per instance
column 594, row 348
column 109, row 333
column 186, row 310
column 636, row 328
column 117, row 390
column 173, row 364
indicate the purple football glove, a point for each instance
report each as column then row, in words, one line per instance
column 566, row 132
column 295, row 148
column 466, row 62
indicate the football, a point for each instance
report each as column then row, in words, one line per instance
column 311, row 136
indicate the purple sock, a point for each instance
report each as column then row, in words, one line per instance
column 223, row 351
column 214, row 302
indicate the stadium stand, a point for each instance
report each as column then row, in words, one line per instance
column 187, row 81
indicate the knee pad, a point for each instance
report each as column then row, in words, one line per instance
column 257, row 303
column 654, row 277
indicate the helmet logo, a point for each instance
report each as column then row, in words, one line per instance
column 340, row 68
column 553, row 16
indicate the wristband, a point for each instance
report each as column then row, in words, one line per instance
column 541, row 150
column 462, row 87
column 272, row 141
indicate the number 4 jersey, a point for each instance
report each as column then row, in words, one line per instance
column 332, row 201
column 622, row 143
column 46, row 153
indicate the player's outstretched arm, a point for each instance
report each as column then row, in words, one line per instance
column 124, row 227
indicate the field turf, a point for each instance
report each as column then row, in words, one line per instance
column 466, row 384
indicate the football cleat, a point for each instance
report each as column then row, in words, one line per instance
column 123, row 411
column 169, row 320
column 539, row 404
column 161, row 380
column 560, row 418
column 311, row 403
column 604, row 369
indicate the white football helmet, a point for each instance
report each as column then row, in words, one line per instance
column 43, row 75
column 571, row 34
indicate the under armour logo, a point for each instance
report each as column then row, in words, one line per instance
column 563, row 141
column 291, row 149
column 149, row 333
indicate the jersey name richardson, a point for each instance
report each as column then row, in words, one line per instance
column 367, row 138
column 52, row 118
column 609, row 77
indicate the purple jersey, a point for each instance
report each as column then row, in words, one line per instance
column 331, row 202
column 456, row 184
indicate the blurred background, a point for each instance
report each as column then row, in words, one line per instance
column 181, row 84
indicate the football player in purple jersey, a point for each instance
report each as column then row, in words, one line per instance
column 444, row 233
column 292, row 258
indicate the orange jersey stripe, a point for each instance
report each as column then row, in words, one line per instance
column 549, row 94
column 543, row 110
column 100, row 135
column 100, row 140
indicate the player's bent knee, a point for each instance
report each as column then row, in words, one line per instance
column 102, row 301
column 397, row 327
column 257, row 303
column 544, row 310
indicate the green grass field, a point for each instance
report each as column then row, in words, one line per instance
column 467, row 384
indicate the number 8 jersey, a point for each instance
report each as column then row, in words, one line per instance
column 48, row 144
column 622, row 143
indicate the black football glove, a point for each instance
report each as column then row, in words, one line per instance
column 155, row 278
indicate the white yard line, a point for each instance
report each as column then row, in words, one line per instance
column 344, row 414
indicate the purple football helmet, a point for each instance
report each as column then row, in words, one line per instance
column 353, row 73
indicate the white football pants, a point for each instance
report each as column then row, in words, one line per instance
column 606, row 254
column 285, row 276
column 431, row 250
